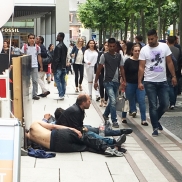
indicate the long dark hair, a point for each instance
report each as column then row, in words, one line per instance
column 118, row 47
column 95, row 47
column 49, row 46
column 129, row 46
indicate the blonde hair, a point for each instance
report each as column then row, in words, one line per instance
column 80, row 38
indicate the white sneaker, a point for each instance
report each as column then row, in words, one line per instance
column 59, row 98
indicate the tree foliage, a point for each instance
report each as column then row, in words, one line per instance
column 115, row 15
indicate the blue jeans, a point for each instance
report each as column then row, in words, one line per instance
column 108, row 131
column 173, row 92
column 34, row 75
column 59, row 77
column 108, row 141
column 111, row 90
column 132, row 94
column 160, row 91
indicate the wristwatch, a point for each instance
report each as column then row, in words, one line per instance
column 174, row 76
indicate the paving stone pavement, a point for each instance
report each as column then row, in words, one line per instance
column 138, row 164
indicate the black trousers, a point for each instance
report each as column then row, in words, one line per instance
column 78, row 69
column 102, row 91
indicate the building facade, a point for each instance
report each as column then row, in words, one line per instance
column 45, row 18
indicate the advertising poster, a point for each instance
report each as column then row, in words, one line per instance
column 6, row 153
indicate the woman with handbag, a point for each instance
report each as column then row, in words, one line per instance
column 132, row 92
column 77, row 55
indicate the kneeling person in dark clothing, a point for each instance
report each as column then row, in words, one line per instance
column 65, row 139
column 74, row 116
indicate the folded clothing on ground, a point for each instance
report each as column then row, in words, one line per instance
column 40, row 153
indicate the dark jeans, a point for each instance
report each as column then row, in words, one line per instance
column 133, row 94
column 173, row 92
column 111, row 90
column 102, row 90
column 59, row 77
column 78, row 68
column 108, row 131
column 158, row 97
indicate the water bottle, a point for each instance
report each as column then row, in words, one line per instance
column 102, row 130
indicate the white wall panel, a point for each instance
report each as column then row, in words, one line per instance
column 35, row 2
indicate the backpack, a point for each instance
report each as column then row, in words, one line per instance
column 26, row 48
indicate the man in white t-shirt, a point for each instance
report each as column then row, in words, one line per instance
column 34, row 50
column 153, row 59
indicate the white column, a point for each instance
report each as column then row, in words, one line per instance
column 62, row 19
column 48, row 37
column 53, row 27
column 37, row 28
column 42, row 27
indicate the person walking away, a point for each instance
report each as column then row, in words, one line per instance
column 153, row 59
column 49, row 72
column 59, row 65
column 176, row 44
column 90, row 58
column 139, row 39
column 173, row 91
column 131, row 67
column 102, row 91
column 113, row 63
column 78, row 67
column 41, row 74
column 34, row 50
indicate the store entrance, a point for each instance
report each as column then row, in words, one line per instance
column 15, row 42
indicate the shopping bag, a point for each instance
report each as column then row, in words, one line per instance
column 122, row 104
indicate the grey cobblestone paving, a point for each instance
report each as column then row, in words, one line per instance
column 173, row 124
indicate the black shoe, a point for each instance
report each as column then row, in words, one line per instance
column 120, row 149
column 46, row 93
column 160, row 126
column 120, row 140
column 126, row 131
column 41, row 95
column 98, row 98
column 36, row 98
column 124, row 121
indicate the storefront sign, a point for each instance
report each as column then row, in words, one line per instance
column 9, row 30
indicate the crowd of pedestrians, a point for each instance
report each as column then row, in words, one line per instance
column 138, row 70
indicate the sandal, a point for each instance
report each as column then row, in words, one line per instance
column 76, row 89
column 101, row 103
column 144, row 123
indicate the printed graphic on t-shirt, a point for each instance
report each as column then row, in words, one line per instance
column 157, row 58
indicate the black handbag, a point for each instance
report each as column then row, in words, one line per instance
column 48, row 59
